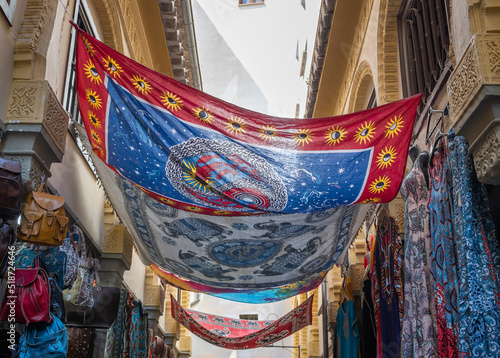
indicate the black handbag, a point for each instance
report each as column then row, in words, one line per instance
column 6, row 240
column 11, row 188
column 103, row 312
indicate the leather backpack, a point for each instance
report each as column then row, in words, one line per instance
column 6, row 240
column 31, row 299
column 44, row 340
column 11, row 189
column 43, row 220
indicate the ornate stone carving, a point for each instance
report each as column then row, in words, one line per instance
column 136, row 35
column 356, row 273
column 34, row 102
column 152, row 295
column 360, row 83
column 354, row 55
column 486, row 153
column 117, row 240
column 387, row 47
column 397, row 209
column 33, row 38
column 110, row 23
column 479, row 66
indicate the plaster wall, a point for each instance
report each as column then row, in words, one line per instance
column 134, row 278
column 74, row 180
column 7, row 37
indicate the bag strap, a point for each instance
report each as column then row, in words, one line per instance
column 81, row 248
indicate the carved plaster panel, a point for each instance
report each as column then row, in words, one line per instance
column 34, row 102
column 152, row 295
column 486, row 153
column 479, row 66
column 397, row 209
column 117, row 240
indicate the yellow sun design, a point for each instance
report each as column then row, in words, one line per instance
column 93, row 98
column 194, row 208
column 203, row 114
column 96, row 123
column 92, row 73
column 141, row 84
column 220, row 212
column 98, row 151
column 335, row 135
column 95, row 137
column 236, row 125
column 394, row 127
column 380, row 184
column 268, row 133
column 365, row 132
column 88, row 46
column 189, row 176
column 303, row 136
column 173, row 102
column 167, row 201
column 386, row 157
column 113, row 67
column 371, row 200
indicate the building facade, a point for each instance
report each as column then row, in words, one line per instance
column 372, row 52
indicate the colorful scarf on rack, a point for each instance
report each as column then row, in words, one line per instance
column 226, row 197
column 234, row 333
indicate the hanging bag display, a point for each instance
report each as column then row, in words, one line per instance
column 44, row 340
column 80, row 296
column 11, row 187
column 31, row 298
column 43, row 219
column 6, row 240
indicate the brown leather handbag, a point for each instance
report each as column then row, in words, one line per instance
column 43, row 219
column 6, row 240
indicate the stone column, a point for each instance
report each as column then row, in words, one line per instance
column 117, row 247
column 185, row 343
column 171, row 328
column 154, row 298
column 314, row 342
column 36, row 128
column 303, row 332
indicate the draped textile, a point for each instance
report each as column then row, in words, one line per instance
column 478, row 257
column 418, row 336
column 115, row 336
column 443, row 257
column 387, row 287
column 234, row 333
column 229, row 198
column 348, row 330
column 138, row 331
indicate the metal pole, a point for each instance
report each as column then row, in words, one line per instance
column 326, row 353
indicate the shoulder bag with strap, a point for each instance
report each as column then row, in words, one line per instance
column 44, row 340
column 43, row 220
column 31, row 298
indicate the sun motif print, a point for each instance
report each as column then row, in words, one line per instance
column 235, row 125
column 94, row 120
column 303, row 136
column 380, row 184
column 171, row 101
column 268, row 133
column 335, row 135
column 92, row 73
column 141, row 85
column 365, row 133
column 386, row 157
column 203, row 115
column 93, row 98
column 394, row 126
column 113, row 67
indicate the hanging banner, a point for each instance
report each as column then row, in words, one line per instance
column 234, row 333
column 229, row 198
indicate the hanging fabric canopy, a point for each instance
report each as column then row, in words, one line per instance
column 234, row 333
column 223, row 198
